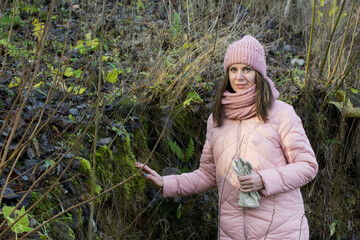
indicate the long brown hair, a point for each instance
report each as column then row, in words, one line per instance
column 263, row 102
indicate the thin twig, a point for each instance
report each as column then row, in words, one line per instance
column 342, row 47
column 331, row 38
column 310, row 42
column 97, row 117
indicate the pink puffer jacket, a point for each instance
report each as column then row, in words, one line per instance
column 279, row 151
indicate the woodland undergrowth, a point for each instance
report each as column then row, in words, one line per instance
column 89, row 87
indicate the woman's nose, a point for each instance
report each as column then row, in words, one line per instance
column 240, row 75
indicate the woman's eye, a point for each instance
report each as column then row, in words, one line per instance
column 233, row 69
column 247, row 69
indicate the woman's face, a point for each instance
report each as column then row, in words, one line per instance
column 241, row 77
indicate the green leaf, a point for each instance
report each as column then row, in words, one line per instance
column 105, row 58
column 93, row 43
column 178, row 212
column 39, row 90
column 88, row 36
column 20, row 228
column 21, row 225
column 192, row 97
column 146, row 74
column 82, row 90
column 347, row 109
column 50, row 67
column 15, row 82
column 38, row 85
column 76, row 90
column 69, row 72
column 176, row 21
column 333, row 228
column 186, row 45
column 71, row 88
column 354, row 90
column 347, row 102
column 78, row 73
column 112, row 77
column 27, row 229
column 139, row 5
column 49, row 163
column 71, row 117
column 128, row 70
column 7, row 210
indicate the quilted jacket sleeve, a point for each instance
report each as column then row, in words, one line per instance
column 302, row 166
column 198, row 181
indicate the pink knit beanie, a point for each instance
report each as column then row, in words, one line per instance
column 249, row 51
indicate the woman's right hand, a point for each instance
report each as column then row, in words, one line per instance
column 152, row 176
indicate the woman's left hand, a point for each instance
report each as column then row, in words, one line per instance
column 251, row 183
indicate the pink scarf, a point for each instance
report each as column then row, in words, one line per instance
column 240, row 105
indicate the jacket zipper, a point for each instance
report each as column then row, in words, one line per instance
column 245, row 234
column 238, row 148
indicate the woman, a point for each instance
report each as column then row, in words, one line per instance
column 249, row 122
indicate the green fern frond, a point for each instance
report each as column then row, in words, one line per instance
column 6, row 20
column 39, row 28
column 176, row 149
column 189, row 153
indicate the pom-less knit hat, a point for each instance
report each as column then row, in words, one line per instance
column 249, row 51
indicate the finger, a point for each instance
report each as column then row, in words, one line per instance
column 246, row 183
column 248, row 188
column 138, row 165
column 244, row 178
column 245, row 187
column 245, row 190
column 143, row 167
column 150, row 171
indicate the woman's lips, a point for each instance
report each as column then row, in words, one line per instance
column 240, row 86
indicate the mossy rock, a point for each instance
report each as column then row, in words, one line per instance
column 115, row 168
column 44, row 209
column 61, row 231
column 139, row 144
column 76, row 222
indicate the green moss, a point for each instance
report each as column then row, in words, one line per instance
column 60, row 230
column 44, row 209
column 86, row 169
column 48, row 205
column 115, row 168
column 139, row 143
column 76, row 222
column 72, row 140
column 85, row 165
column 58, row 191
column 98, row 189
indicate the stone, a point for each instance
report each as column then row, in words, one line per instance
column 105, row 141
column 74, row 111
column 9, row 193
